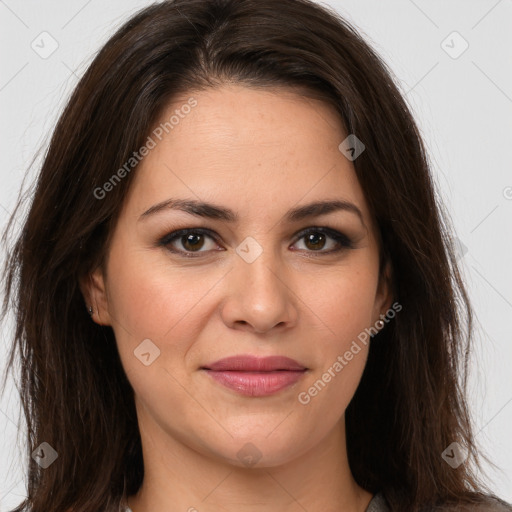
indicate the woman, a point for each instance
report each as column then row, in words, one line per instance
column 273, row 318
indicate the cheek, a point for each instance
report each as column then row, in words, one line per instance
column 344, row 302
column 345, row 309
column 148, row 296
column 149, row 299
column 152, row 300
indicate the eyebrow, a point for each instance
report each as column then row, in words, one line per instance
column 212, row 211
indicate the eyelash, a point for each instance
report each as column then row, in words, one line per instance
column 344, row 242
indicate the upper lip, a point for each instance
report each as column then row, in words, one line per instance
column 246, row 363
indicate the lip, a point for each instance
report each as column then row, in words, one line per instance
column 256, row 376
column 244, row 363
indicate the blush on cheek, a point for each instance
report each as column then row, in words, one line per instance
column 345, row 314
column 144, row 301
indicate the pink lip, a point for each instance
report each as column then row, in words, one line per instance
column 254, row 364
column 255, row 376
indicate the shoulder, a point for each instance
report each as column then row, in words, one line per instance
column 488, row 504
column 378, row 504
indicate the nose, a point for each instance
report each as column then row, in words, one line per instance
column 259, row 295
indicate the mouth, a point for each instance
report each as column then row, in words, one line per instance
column 256, row 376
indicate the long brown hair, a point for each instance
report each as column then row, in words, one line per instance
column 410, row 404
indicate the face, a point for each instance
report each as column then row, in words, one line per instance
column 255, row 281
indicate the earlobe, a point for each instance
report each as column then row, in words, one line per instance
column 94, row 292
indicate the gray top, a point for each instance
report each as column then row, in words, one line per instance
column 378, row 504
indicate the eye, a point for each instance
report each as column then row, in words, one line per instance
column 192, row 240
column 315, row 238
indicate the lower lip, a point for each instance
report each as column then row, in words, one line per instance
column 257, row 383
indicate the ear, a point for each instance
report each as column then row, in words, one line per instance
column 94, row 292
column 384, row 295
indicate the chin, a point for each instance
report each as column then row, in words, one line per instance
column 259, row 450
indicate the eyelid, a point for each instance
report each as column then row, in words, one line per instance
column 344, row 241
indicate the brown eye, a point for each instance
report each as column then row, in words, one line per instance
column 315, row 241
column 192, row 242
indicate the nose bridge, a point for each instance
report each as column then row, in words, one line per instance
column 258, row 293
column 258, row 264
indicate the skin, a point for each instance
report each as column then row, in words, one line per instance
column 259, row 153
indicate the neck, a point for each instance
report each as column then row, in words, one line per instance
column 177, row 477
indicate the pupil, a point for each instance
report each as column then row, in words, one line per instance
column 315, row 236
column 189, row 238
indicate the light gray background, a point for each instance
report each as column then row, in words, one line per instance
column 463, row 106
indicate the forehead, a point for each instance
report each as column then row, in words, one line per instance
column 249, row 147
column 240, row 117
